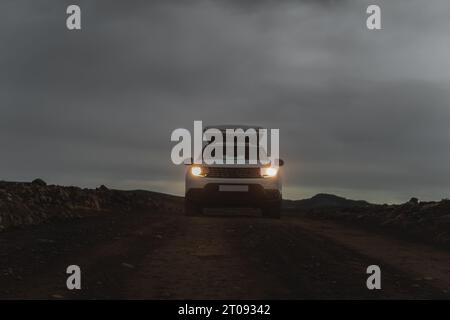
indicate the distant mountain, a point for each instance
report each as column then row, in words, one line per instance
column 323, row 200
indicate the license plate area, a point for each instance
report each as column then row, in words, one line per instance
column 233, row 188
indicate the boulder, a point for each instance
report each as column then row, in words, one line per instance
column 39, row 182
column 103, row 188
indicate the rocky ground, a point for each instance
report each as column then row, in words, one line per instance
column 139, row 245
column 23, row 203
column 33, row 203
column 222, row 255
column 427, row 222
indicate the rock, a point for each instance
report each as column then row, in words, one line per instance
column 39, row 182
column 37, row 202
column 103, row 188
column 127, row 265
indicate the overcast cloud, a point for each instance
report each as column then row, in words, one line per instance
column 364, row 114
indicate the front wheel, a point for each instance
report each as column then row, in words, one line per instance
column 192, row 209
column 272, row 211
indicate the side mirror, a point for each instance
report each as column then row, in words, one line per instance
column 280, row 162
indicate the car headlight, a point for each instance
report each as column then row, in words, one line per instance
column 197, row 171
column 269, row 172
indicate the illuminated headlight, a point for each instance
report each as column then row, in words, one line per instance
column 197, row 171
column 269, row 172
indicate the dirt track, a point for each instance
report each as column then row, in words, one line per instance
column 169, row 256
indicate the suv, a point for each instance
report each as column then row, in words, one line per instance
column 233, row 185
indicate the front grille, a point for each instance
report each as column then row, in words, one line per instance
column 223, row 172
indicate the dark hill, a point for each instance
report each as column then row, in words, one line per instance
column 323, row 200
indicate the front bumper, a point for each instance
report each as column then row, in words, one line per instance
column 256, row 196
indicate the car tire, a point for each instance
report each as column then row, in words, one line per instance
column 272, row 211
column 192, row 209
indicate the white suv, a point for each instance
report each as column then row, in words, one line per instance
column 233, row 185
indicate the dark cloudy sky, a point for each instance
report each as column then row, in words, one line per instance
column 364, row 114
